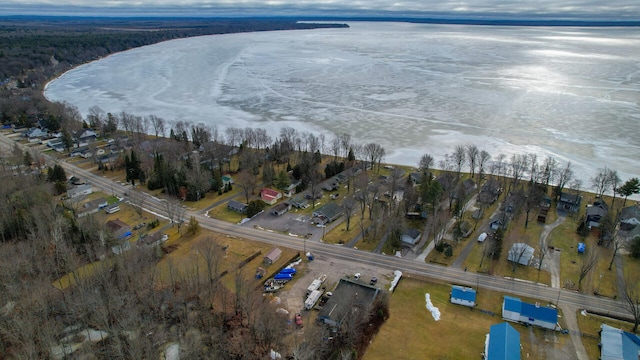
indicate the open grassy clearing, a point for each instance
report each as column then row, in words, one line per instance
column 221, row 212
column 412, row 333
column 565, row 238
column 340, row 235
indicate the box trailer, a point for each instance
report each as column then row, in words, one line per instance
column 281, row 276
column 312, row 299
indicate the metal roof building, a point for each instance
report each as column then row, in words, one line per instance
column 463, row 296
column 616, row 344
column 533, row 314
column 503, row 343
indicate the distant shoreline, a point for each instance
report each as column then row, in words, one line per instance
column 545, row 22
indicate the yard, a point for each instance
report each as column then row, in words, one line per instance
column 412, row 333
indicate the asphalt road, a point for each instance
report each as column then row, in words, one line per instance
column 407, row 266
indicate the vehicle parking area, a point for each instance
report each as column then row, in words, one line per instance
column 294, row 293
column 291, row 223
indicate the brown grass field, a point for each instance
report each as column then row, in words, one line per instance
column 412, row 333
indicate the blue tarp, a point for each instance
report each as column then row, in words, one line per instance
column 581, row 247
column 288, row 271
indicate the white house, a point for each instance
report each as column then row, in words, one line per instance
column 464, row 296
column 513, row 309
column 521, row 253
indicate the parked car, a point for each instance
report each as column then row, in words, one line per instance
column 356, row 276
column 298, row 320
column 373, row 281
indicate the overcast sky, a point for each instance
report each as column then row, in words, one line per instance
column 593, row 9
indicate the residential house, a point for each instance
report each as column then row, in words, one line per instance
column 270, row 196
column 462, row 295
column 84, row 137
column 490, row 191
column 330, row 185
column 119, row 229
column 411, row 236
column 569, row 203
column 498, row 223
column 237, row 206
column 281, row 209
column 290, row 190
column 503, row 343
column 78, row 190
column 521, row 253
column 513, row 309
column 629, row 223
column 466, row 228
column 154, row 239
column 299, row 202
column 92, row 207
column 272, row 256
column 35, row 134
column 415, row 178
column 342, row 178
column 226, row 180
column 595, row 213
column 616, row 344
column 327, row 213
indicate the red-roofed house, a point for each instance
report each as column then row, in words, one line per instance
column 270, row 196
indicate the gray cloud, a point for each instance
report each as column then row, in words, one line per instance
column 597, row 9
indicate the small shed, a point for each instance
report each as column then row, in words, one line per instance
column 503, row 343
column 272, row 256
column 462, row 295
column 411, row 236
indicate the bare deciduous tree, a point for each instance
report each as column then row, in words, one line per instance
column 589, row 261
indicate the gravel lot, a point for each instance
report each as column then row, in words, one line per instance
column 294, row 293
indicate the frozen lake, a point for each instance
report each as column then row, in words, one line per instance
column 573, row 93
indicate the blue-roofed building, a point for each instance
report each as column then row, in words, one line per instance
column 503, row 343
column 616, row 344
column 463, row 296
column 514, row 309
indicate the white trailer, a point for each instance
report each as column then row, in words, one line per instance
column 312, row 299
column 315, row 285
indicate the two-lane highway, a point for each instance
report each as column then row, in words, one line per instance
column 345, row 254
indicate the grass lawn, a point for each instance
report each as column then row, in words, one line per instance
column 412, row 333
column 340, row 233
column 221, row 212
column 185, row 258
column 565, row 238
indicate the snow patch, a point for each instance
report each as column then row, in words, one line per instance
column 435, row 312
column 394, row 282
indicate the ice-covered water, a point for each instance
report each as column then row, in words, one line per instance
column 573, row 93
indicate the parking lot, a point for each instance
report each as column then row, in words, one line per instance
column 291, row 223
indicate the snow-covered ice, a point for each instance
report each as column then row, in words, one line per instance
column 412, row 88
